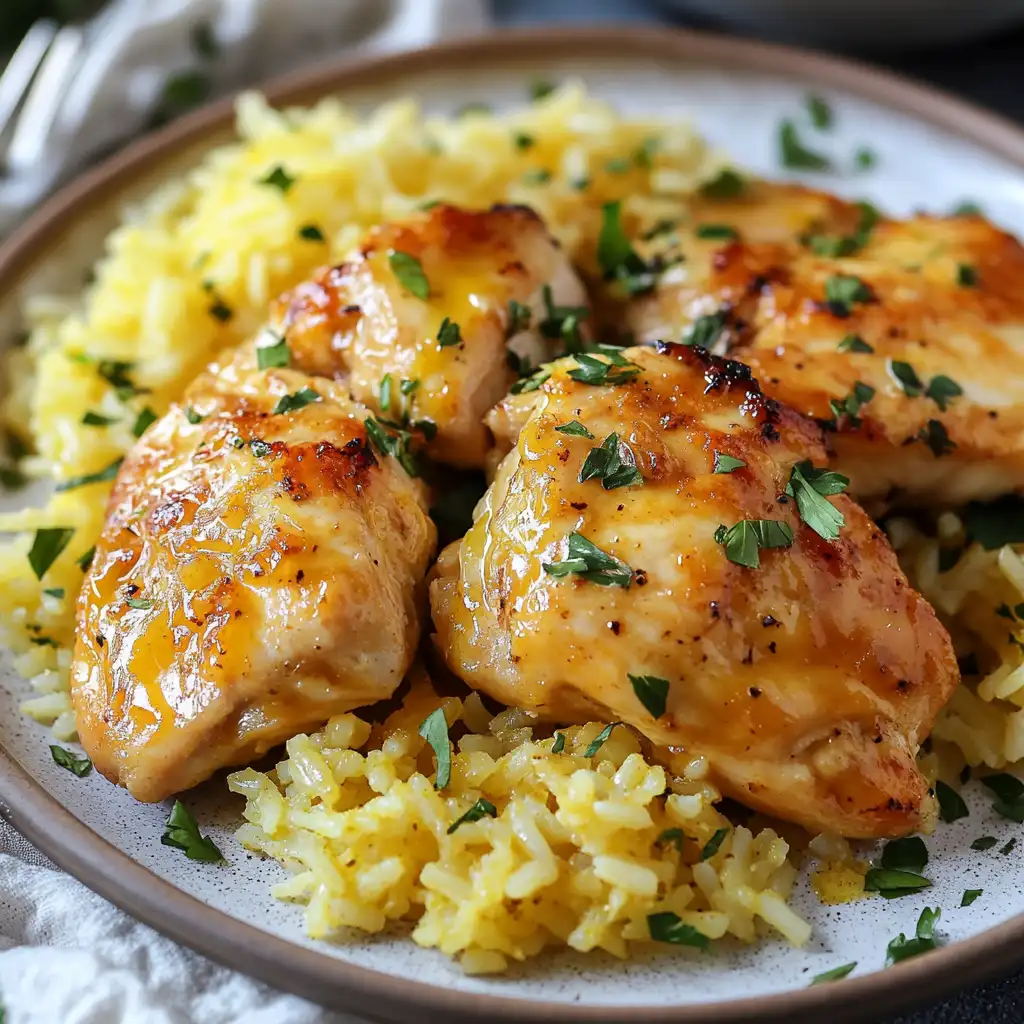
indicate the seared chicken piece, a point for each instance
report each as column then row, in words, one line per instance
column 904, row 337
column 260, row 570
column 806, row 673
column 422, row 319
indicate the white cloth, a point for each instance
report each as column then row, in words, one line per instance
column 66, row 955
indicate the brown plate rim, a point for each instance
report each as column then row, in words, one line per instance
column 332, row 982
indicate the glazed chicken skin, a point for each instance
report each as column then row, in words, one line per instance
column 806, row 682
column 422, row 318
column 261, row 569
column 905, row 338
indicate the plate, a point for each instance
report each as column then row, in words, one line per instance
column 933, row 151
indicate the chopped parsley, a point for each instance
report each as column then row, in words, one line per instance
column 537, row 176
column 617, row 257
column 540, row 89
column 747, row 538
column 85, row 560
column 652, row 692
column 384, row 393
column 726, row 463
column 591, row 370
column 481, row 809
column 474, row 107
column 143, row 421
column 907, row 378
column 434, row 729
column 278, row 178
column 57, row 592
column 220, row 310
column 297, row 400
column 117, row 374
column 559, row 745
column 560, row 321
column 409, row 272
column 141, row 604
column 182, row 832
column 675, row 836
column 726, row 232
column 523, row 141
column 820, row 111
column 794, row 154
column 908, row 854
column 643, row 155
column 394, row 444
column 100, row 476
column 983, row 843
column 80, row 766
column 969, row 896
column 810, row 486
column 713, row 845
column 311, row 233
column 192, row 416
column 575, row 429
column 260, row 448
column 705, row 330
column 606, row 464
column 902, row 948
column 448, row 333
column 525, row 385
column 618, row 165
column 586, row 560
column 935, row 435
column 865, row 158
column 669, row 927
column 996, row 523
column 842, row 291
column 1009, row 794
column 519, row 317
column 850, row 406
column 94, row 419
column 407, row 387
column 1008, row 848
column 942, row 390
column 951, row 804
column 838, row 246
column 854, row 343
column 966, row 275
column 204, row 42
column 271, row 356
column 968, row 208
column 727, row 184
column 836, row 974
column 599, row 740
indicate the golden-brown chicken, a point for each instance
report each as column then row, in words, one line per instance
column 637, row 559
column 425, row 318
column 906, row 338
column 261, row 569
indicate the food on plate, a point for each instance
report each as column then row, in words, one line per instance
column 261, row 568
column 391, row 305
column 665, row 547
column 430, row 319
column 900, row 335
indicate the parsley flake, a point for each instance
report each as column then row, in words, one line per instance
column 1009, row 793
column 652, row 692
column 278, row 178
column 951, row 804
column 854, row 343
column 537, row 176
column 935, row 435
column 586, row 560
column 810, row 486
column 836, row 974
column 57, row 592
column 272, row 356
column 966, row 275
column 726, row 232
column 311, row 233
column 842, row 291
column 907, row 378
column 182, row 832
column 599, row 740
column 909, row 854
column 384, row 393
column 481, row 809
column 407, row 387
column 983, row 843
column 726, row 463
column 820, row 111
column 94, row 419
column 519, row 317
column 713, row 845
column 559, row 745
column 617, row 257
column 747, row 538
column 192, row 416
column 525, row 385
column 85, row 560
column 540, row 89
column 575, row 429
column 969, row 896
column 675, row 836
column 591, row 370
column 394, row 444
column 669, row 927
column 848, row 408
column 448, row 333
column 727, row 184
column 794, row 154
column 434, row 729
column 902, row 948
column 143, row 421
column 523, row 141
column 865, row 158
column 298, row 400
column 705, row 330
column 142, row 604
column 942, row 390
column 607, row 464
column 409, row 272
column 99, row 477
column 80, row 766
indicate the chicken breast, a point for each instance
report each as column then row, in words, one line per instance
column 637, row 559
column 905, row 338
column 260, row 570
column 430, row 320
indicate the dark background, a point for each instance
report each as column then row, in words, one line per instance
column 989, row 72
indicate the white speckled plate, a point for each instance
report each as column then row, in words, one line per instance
column 934, row 152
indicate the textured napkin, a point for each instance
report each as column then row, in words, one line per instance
column 66, row 955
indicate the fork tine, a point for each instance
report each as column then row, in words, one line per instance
column 21, row 69
column 35, row 122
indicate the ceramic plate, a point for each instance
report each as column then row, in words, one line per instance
column 933, row 152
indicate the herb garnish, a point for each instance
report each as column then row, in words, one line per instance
column 675, row 836
column 481, row 809
column 522, row 141
column 519, row 317
column 617, row 257
column 407, row 387
column 278, row 178
column 271, row 356
column 311, row 233
column 143, row 421
column 854, row 343
column 101, row 476
column 448, row 333
column 968, row 208
column 142, row 604
column 669, row 927
column 794, row 154
column 820, row 111
column 409, row 272
column 80, row 766
column 575, row 428
column 94, row 419
column 865, row 158
column 908, row 854
column 599, row 740
column 606, row 464
column 838, row 246
column 537, row 176
column 902, row 948
column 907, row 378
column 260, row 448
column 434, row 729
column 561, row 321
column 951, row 804
column 117, row 374
column 983, row 843
column 1009, row 793
column 842, row 291
column 966, row 275
column 705, row 330
column 850, row 406
column 85, row 560
column 384, row 393
column 969, row 896
column 935, row 435
column 182, row 832
column 727, row 184
column 192, row 416
column 835, row 974
column 298, row 400
column 525, row 385
column 743, row 541
column 725, row 232
column 712, row 846
column 942, row 390
column 220, row 310
column 726, row 463
column 617, row 165
column 586, row 560
column 810, row 486
column 1008, row 848
column 591, row 370
column 540, row 88
column 559, row 745
column 394, row 444
column 652, row 692
column 57, row 592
